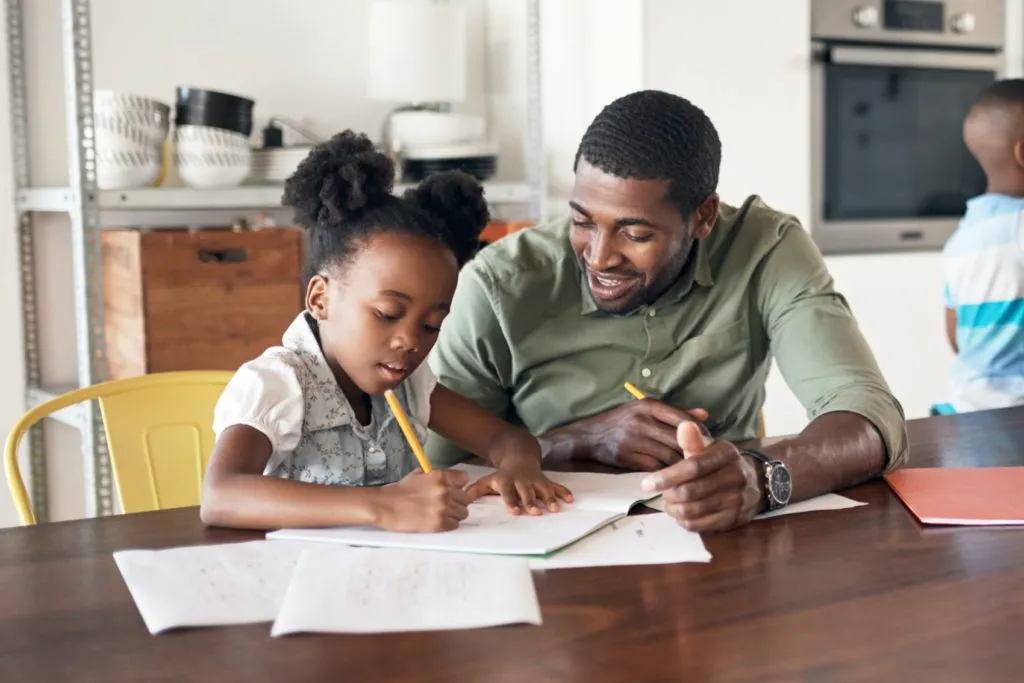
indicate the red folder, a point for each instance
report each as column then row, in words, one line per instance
column 963, row 496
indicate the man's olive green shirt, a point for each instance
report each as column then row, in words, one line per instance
column 526, row 341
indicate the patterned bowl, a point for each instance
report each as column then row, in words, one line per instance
column 123, row 169
column 148, row 119
column 209, row 157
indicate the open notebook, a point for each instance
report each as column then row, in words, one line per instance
column 599, row 500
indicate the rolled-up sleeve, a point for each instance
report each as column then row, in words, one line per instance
column 471, row 357
column 817, row 343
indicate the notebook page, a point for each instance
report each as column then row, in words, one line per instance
column 590, row 490
column 364, row 590
column 489, row 529
column 641, row 539
column 208, row 585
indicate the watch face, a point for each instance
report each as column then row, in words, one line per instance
column 780, row 484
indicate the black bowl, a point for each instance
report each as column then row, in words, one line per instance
column 197, row 107
column 480, row 167
column 214, row 119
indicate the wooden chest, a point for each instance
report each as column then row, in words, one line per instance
column 197, row 300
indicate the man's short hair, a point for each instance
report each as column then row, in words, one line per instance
column 654, row 135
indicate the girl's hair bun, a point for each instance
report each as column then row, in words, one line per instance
column 339, row 180
column 456, row 200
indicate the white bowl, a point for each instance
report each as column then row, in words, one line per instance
column 211, row 157
column 196, row 137
column 123, row 169
column 212, row 168
column 423, row 128
column 149, row 117
column 117, row 135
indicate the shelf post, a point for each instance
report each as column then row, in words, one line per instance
column 86, row 246
column 26, row 249
column 533, row 141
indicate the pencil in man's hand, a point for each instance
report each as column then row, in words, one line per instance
column 637, row 394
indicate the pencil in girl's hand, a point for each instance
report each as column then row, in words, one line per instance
column 637, row 394
column 410, row 435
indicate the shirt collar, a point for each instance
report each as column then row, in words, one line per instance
column 697, row 269
column 325, row 406
column 992, row 204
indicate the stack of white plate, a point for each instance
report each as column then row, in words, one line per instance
column 130, row 133
column 208, row 157
column 274, row 165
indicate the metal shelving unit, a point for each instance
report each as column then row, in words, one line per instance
column 84, row 204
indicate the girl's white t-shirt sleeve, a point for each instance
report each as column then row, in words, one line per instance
column 419, row 387
column 264, row 394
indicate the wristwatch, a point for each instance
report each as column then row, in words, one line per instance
column 778, row 484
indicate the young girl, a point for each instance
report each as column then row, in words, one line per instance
column 304, row 435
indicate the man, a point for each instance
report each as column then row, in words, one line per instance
column 653, row 281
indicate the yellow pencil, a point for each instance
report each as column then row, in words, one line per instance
column 410, row 435
column 637, row 394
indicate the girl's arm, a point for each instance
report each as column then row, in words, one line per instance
column 513, row 451
column 237, row 494
column 477, row 431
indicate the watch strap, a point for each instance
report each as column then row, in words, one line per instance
column 757, row 455
column 768, row 503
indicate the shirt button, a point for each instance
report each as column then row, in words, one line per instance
column 646, row 372
column 651, row 313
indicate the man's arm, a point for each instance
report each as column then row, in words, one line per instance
column 472, row 358
column 857, row 428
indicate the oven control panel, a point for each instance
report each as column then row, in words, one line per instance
column 914, row 15
column 954, row 23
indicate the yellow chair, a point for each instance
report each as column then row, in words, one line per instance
column 159, row 431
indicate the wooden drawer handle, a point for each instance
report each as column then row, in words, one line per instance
column 222, row 255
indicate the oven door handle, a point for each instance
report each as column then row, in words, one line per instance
column 914, row 59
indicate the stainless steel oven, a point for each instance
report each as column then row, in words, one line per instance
column 892, row 81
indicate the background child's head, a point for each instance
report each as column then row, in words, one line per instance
column 994, row 133
column 382, row 269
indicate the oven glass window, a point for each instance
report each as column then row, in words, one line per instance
column 893, row 142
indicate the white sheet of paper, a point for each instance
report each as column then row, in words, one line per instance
column 369, row 590
column 208, row 585
column 489, row 529
column 641, row 539
column 590, row 490
column 829, row 501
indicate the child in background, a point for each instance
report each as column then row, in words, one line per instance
column 983, row 262
column 304, row 435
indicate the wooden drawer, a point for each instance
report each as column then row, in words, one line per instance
column 197, row 300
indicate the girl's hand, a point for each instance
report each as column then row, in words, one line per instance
column 424, row 502
column 521, row 483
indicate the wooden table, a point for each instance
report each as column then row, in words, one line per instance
column 854, row 595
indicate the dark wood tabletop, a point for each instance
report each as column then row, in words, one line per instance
column 855, row 595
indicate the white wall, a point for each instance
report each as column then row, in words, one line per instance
column 591, row 55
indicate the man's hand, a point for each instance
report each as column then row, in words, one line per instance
column 714, row 487
column 638, row 435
